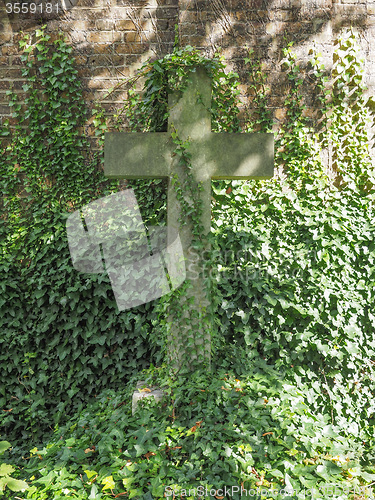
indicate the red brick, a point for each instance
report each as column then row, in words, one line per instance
column 11, row 73
column 123, row 48
column 5, row 110
column 98, row 83
column 164, row 24
column 131, row 48
column 105, row 24
column 84, row 72
column 102, row 48
column 190, row 29
column 167, row 13
column 132, row 36
column 130, row 59
column 125, row 25
column 103, row 36
column 76, row 37
column 106, row 41
column 9, row 50
column 80, row 60
column 15, row 61
column 80, row 25
column 103, row 60
column 84, row 14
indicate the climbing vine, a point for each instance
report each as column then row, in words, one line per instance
column 349, row 120
column 62, row 338
column 295, row 261
column 304, row 270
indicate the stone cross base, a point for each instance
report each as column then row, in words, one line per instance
column 143, row 390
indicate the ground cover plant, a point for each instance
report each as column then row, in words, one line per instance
column 217, row 431
column 288, row 409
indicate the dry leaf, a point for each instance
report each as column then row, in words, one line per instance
column 197, row 424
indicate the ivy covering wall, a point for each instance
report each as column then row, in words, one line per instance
column 295, row 254
column 62, row 337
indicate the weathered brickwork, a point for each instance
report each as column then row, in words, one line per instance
column 112, row 38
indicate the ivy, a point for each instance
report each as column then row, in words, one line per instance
column 62, row 339
column 303, row 251
column 258, row 90
column 210, row 443
column 289, row 402
column 6, row 480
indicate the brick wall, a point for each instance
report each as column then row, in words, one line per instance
column 112, row 38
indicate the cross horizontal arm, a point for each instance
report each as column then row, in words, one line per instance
column 137, row 155
column 236, row 155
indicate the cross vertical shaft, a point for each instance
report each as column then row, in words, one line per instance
column 192, row 123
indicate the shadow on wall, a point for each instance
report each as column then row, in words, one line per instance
column 234, row 23
column 149, row 22
column 268, row 26
column 280, row 21
column 137, row 29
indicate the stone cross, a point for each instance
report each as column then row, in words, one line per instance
column 213, row 156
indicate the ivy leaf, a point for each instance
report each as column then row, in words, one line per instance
column 17, row 485
column 6, row 470
column 4, row 445
column 90, row 473
column 108, row 482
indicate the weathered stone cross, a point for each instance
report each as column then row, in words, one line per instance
column 213, row 156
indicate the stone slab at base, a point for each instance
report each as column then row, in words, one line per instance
column 144, row 390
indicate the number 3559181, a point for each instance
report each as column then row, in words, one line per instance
column 32, row 8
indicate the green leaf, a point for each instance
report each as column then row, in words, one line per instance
column 94, row 495
column 90, row 473
column 17, row 485
column 108, row 482
column 270, row 300
column 4, row 445
column 6, row 470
